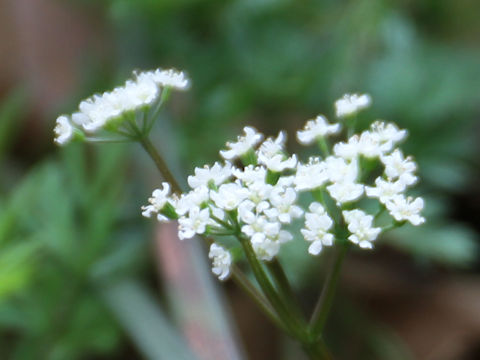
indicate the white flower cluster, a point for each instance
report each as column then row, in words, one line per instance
column 101, row 110
column 260, row 198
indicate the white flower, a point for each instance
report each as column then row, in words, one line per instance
column 350, row 104
column 98, row 110
column 387, row 134
column 259, row 191
column 360, row 225
column 217, row 175
column 311, row 175
column 229, row 196
column 398, row 167
column 266, row 248
column 348, row 150
column 283, row 207
column 315, row 129
column 158, row 200
column 345, row 191
column 384, row 189
column 250, row 174
column 63, row 130
column 170, row 78
column 279, row 162
column 260, row 225
column 194, row 223
column 339, row 170
column 271, row 147
column 243, row 144
column 271, row 154
column 195, row 198
column 222, row 260
column 409, row 209
column 317, row 224
column 369, row 146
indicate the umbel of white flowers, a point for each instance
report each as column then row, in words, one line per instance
column 124, row 111
column 254, row 192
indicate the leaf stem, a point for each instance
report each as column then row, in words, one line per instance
column 293, row 325
column 325, row 300
column 283, row 285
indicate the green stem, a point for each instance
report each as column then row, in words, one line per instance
column 160, row 163
column 324, row 303
column 242, row 281
column 317, row 350
column 283, row 286
column 322, row 143
column 292, row 324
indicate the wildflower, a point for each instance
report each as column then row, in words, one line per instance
column 283, row 207
column 170, row 78
column 317, row 224
column 384, row 189
column 195, row 223
column 229, row 196
column 351, row 104
column 315, row 129
column 222, row 260
column 109, row 110
column 345, row 191
column 398, row 167
column 312, row 175
column 406, row 208
column 360, row 226
column 215, row 175
column 161, row 204
column 387, row 135
column 243, row 144
column 63, row 130
column 271, row 154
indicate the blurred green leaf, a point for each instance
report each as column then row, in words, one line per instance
column 144, row 321
column 450, row 244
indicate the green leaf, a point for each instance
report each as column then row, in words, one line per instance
column 144, row 321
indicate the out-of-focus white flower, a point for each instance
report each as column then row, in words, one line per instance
column 360, row 225
column 406, row 208
column 217, row 174
column 398, row 167
column 312, row 175
column 317, row 225
column 243, row 144
column 222, row 260
column 339, row 170
column 279, row 162
column 171, row 78
column 384, row 189
column 100, row 110
column 271, row 154
column 387, row 135
column 63, row 130
column 346, row 191
column 351, row 104
column 250, row 174
column 315, row 129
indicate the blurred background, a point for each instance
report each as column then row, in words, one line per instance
column 84, row 276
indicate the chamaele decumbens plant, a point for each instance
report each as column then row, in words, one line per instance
column 253, row 194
